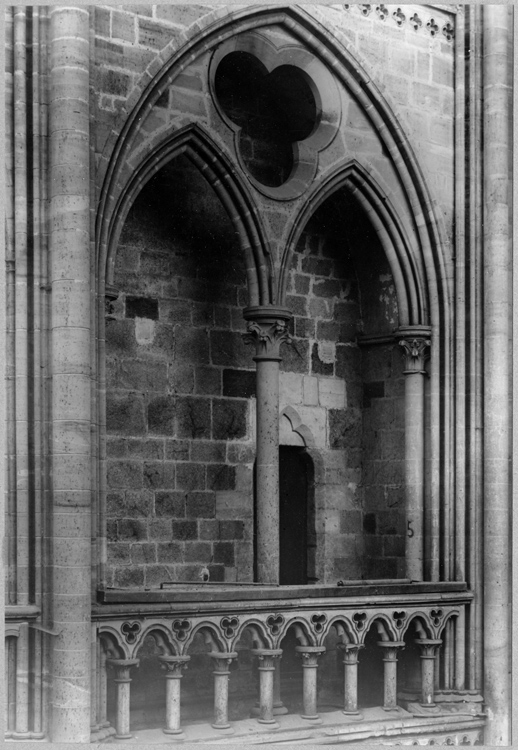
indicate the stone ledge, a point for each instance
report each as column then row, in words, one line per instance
column 372, row 725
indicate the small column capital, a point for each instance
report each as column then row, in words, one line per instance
column 415, row 342
column 174, row 665
column 267, row 329
column 310, row 654
column 122, row 668
column 391, row 649
column 222, row 661
column 267, row 658
column 350, row 651
column 428, row 647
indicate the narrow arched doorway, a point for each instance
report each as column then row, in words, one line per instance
column 295, row 488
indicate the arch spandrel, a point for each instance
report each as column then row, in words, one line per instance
column 309, row 32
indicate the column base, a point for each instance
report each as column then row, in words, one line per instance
column 176, row 733
column 227, row 728
column 391, row 708
column 316, row 719
column 269, row 723
column 122, row 736
column 278, row 710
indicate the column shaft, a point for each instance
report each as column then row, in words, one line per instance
column 310, row 656
column 267, row 330
column 266, row 669
column 221, row 674
column 70, row 366
column 267, row 471
column 123, row 680
column 497, row 262
column 390, row 649
column 351, row 678
column 415, row 344
column 175, row 666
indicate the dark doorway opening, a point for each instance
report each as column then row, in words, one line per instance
column 297, row 539
column 294, row 486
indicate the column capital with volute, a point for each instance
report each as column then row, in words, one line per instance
column 267, row 329
column 415, row 342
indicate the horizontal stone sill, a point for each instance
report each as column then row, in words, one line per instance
column 201, row 597
column 371, row 725
column 21, row 612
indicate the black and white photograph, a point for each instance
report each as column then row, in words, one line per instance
column 257, row 365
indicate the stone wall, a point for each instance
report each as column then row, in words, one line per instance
column 181, row 386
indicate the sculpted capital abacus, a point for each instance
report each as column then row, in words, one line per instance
column 415, row 342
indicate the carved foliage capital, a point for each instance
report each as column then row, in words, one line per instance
column 267, row 338
column 415, row 350
column 174, row 665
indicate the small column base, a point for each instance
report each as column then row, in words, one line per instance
column 122, row 736
column 313, row 719
column 279, row 710
column 176, row 733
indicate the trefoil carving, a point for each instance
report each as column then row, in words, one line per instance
column 274, row 623
column 130, row 631
column 229, row 625
column 181, row 629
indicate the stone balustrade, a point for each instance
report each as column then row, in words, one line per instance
column 401, row 614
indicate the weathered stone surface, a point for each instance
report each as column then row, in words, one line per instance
column 190, row 476
column 228, row 419
column 221, row 477
column 170, row 504
column 194, row 419
column 200, row 505
column 185, row 530
column 239, row 383
column 344, row 428
column 161, row 415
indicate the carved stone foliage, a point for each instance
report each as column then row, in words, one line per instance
column 267, row 339
column 415, row 350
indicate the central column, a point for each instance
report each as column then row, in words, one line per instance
column 415, row 341
column 267, row 329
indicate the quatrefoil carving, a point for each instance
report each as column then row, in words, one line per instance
column 274, row 623
column 229, row 625
column 283, row 106
column 181, row 628
column 130, row 631
column 436, row 615
column 359, row 620
column 399, row 618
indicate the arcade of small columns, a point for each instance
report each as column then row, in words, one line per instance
column 267, row 330
column 269, row 703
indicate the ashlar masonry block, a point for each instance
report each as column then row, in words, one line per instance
column 332, row 393
column 290, row 388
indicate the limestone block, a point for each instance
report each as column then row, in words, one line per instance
column 200, row 505
column 190, row 476
column 170, row 503
column 228, row 419
column 290, row 389
column 310, row 389
column 232, row 505
column 332, row 393
column 129, row 503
